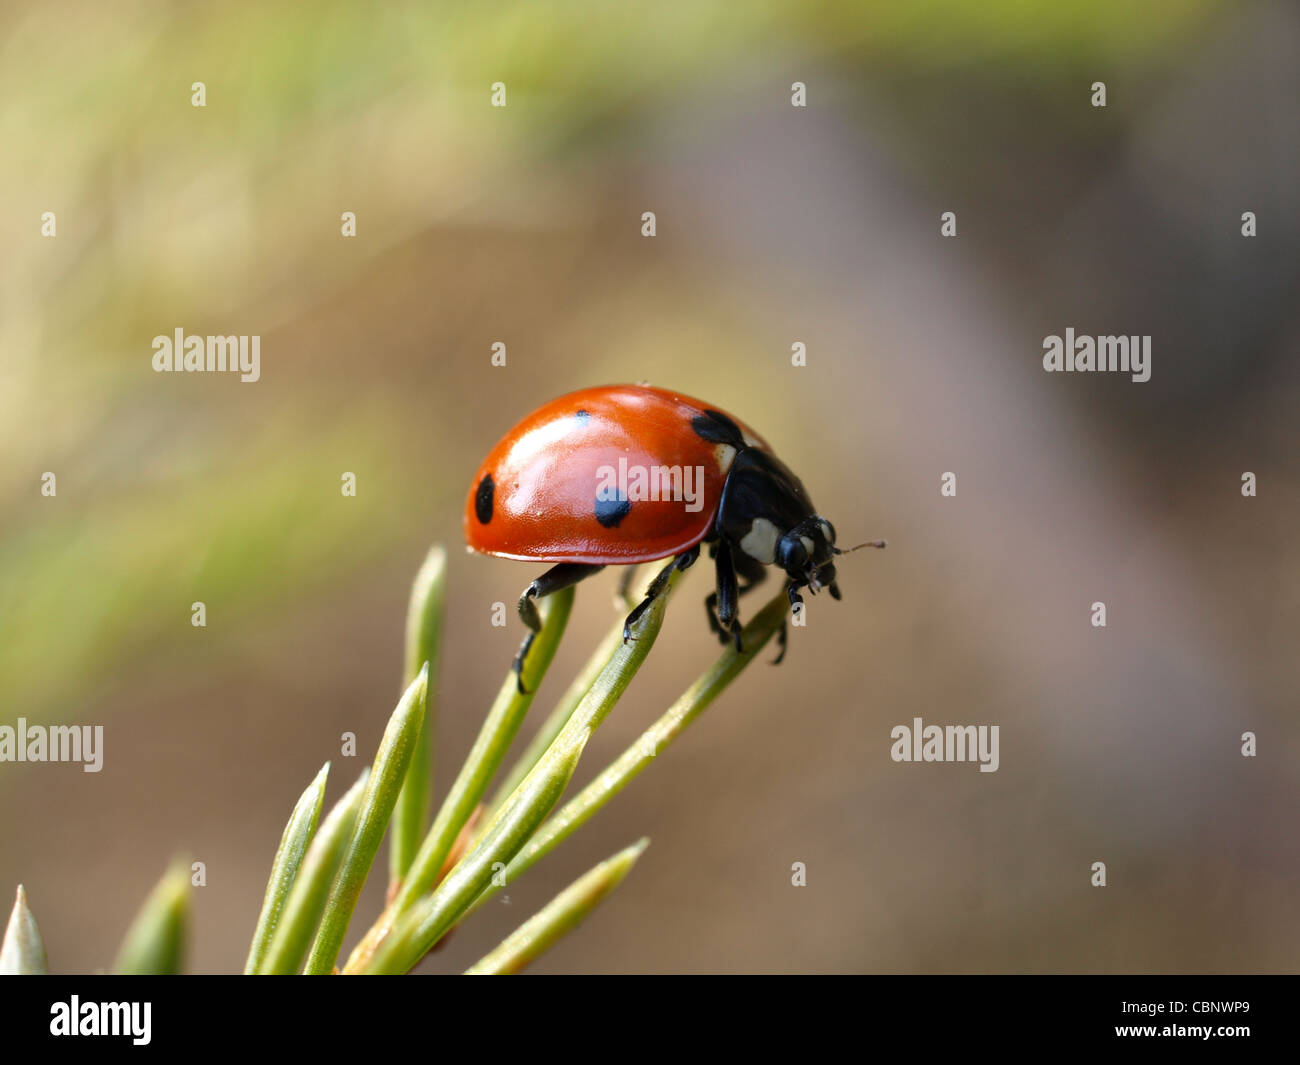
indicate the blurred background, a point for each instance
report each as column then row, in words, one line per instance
column 774, row 225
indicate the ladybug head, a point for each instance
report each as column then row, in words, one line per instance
column 805, row 552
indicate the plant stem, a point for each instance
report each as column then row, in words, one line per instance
column 417, row 931
column 481, row 764
column 563, row 711
column 424, row 924
column 693, row 702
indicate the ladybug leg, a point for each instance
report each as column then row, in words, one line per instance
column 796, row 605
column 711, row 600
column 780, row 643
column 711, row 608
column 554, row 579
column 827, row 578
column 727, row 595
column 796, row 600
column 752, row 572
column 746, row 588
column 682, row 561
column 625, row 584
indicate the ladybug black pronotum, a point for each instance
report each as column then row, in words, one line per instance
column 624, row 474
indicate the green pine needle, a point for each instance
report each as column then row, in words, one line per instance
column 484, row 758
column 155, row 943
column 423, row 640
column 23, row 951
column 560, row 916
column 425, row 923
column 418, row 926
column 658, row 737
column 300, row 918
column 555, row 721
column 288, row 858
column 380, row 796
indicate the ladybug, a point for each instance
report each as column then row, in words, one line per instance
column 626, row 474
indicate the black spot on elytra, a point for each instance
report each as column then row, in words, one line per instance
column 717, row 428
column 583, row 416
column 483, row 499
column 609, row 512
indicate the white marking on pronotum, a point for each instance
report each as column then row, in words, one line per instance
column 725, row 454
column 760, row 542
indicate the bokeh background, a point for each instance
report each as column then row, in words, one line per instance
column 775, row 225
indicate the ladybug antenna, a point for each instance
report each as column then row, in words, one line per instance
column 850, row 550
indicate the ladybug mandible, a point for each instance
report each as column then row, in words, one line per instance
column 624, row 474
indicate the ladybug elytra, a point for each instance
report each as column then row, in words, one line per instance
column 625, row 474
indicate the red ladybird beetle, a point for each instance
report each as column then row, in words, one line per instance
column 624, row 474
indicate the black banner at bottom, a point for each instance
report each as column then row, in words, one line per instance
column 1228, row 1014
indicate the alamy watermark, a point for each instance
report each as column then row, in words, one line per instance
column 1109, row 354
column 635, row 483
column 53, row 743
column 77, row 1018
column 946, row 743
column 212, row 354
